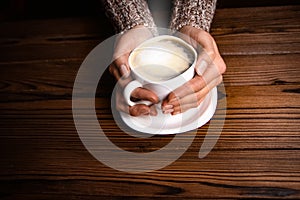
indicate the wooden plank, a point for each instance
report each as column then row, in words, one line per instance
column 253, row 35
column 262, row 70
column 229, row 44
column 46, row 51
column 155, row 189
column 35, row 82
column 258, row 19
column 237, row 135
column 55, row 29
column 250, row 97
column 276, row 96
column 270, row 109
column 259, row 44
column 255, row 20
column 239, row 153
column 257, row 155
column 241, row 4
column 251, row 177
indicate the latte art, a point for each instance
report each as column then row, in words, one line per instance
column 161, row 60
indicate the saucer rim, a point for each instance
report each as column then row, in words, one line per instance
column 207, row 115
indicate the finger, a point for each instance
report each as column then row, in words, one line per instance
column 205, row 58
column 210, row 64
column 201, row 67
column 211, row 73
column 166, row 108
column 126, row 42
column 191, row 87
column 220, row 64
column 207, row 44
column 145, row 94
column 207, row 50
column 115, row 72
column 196, row 37
column 185, row 107
column 190, row 101
column 194, row 100
column 185, row 90
column 136, row 110
column 122, row 65
column 139, row 109
column 194, row 85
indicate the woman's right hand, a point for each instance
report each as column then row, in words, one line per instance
column 120, row 69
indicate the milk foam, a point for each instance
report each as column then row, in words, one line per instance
column 161, row 60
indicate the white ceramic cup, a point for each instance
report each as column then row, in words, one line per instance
column 160, row 87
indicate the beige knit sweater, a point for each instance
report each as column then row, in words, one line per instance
column 125, row 14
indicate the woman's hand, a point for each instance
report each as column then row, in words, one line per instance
column 209, row 69
column 120, row 69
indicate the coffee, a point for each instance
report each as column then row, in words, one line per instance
column 157, row 73
column 161, row 60
column 160, row 64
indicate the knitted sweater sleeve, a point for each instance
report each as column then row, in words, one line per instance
column 126, row 14
column 196, row 13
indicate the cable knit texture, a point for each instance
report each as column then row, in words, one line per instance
column 196, row 13
column 126, row 14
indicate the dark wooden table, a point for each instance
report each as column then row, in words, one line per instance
column 256, row 156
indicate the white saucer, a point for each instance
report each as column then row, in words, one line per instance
column 164, row 124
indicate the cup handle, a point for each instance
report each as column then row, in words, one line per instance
column 129, row 89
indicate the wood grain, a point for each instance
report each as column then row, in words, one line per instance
column 257, row 155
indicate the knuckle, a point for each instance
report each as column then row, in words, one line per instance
column 171, row 96
column 133, row 111
column 199, row 83
column 222, row 68
column 211, row 54
column 206, row 36
column 177, row 109
column 121, row 59
column 154, row 99
column 199, row 97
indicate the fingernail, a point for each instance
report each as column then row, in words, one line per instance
column 201, row 67
column 166, row 107
column 124, row 71
column 175, row 113
column 168, row 111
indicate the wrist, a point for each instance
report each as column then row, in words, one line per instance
column 192, row 30
column 144, row 29
column 197, row 13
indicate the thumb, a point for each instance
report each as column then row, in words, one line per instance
column 122, row 65
column 145, row 94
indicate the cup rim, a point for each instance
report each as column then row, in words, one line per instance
column 160, row 37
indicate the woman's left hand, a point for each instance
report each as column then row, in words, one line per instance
column 209, row 69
